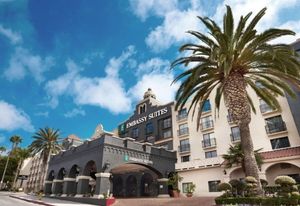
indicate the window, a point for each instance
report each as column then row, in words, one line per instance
column 184, row 146
column 185, row 158
column 149, row 128
column 182, row 114
column 206, row 106
column 183, row 129
column 166, row 146
column 280, row 143
column 167, row 123
column 275, row 124
column 206, row 122
column 208, row 140
column 264, row 107
column 135, row 132
column 212, row 185
column 235, row 134
column 142, row 109
column 211, row 154
column 167, row 133
column 186, row 186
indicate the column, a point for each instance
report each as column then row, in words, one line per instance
column 69, row 188
column 57, row 187
column 48, row 187
column 103, row 184
column 82, row 186
column 163, row 187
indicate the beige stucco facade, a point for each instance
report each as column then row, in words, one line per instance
column 194, row 166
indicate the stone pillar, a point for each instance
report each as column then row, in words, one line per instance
column 69, row 188
column 57, row 187
column 48, row 187
column 103, row 184
column 163, row 187
column 82, row 185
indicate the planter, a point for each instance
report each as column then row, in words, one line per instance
column 110, row 201
column 189, row 194
column 175, row 193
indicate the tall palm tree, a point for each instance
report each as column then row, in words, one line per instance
column 45, row 143
column 2, row 149
column 231, row 60
column 15, row 140
column 21, row 155
column 235, row 156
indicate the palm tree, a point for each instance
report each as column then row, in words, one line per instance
column 235, row 156
column 2, row 149
column 231, row 60
column 15, row 140
column 45, row 143
column 21, row 155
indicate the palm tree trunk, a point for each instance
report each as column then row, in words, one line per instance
column 5, row 168
column 236, row 100
column 45, row 169
column 17, row 173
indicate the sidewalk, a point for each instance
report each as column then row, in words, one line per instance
column 45, row 201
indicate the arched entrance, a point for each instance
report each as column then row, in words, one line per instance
column 71, row 184
column 283, row 168
column 131, row 186
column 90, row 169
column 134, row 180
column 237, row 174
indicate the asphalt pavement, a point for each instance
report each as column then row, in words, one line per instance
column 5, row 200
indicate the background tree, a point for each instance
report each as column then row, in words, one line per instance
column 2, row 149
column 20, row 154
column 230, row 60
column 45, row 143
column 235, row 156
column 15, row 140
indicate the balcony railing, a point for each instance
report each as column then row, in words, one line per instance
column 264, row 108
column 275, row 127
column 209, row 143
column 183, row 131
column 184, row 148
column 207, row 125
column 182, row 116
column 235, row 137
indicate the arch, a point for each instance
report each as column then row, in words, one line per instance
column 118, row 190
column 148, row 186
column 237, row 173
column 74, row 171
column 131, row 186
column 282, row 168
column 61, row 174
column 90, row 169
column 51, row 175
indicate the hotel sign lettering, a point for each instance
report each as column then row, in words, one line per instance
column 134, row 159
column 147, row 117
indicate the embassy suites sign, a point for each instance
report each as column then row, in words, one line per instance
column 147, row 117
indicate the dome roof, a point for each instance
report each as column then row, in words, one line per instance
column 149, row 93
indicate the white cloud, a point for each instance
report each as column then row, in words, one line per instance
column 292, row 25
column 42, row 114
column 143, row 9
column 155, row 74
column 270, row 19
column 75, row 112
column 107, row 92
column 23, row 63
column 14, row 37
column 12, row 118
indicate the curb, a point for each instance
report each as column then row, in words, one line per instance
column 32, row 201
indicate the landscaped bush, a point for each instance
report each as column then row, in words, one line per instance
column 267, row 201
column 238, row 187
column 251, row 188
column 226, row 187
column 263, row 182
column 287, row 185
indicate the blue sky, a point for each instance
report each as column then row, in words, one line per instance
column 72, row 65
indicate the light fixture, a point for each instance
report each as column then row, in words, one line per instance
column 224, row 171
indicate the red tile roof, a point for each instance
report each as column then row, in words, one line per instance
column 73, row 136
column 287, row 152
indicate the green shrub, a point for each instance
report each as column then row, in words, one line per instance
column 224, row 186
column 287, row 185
column 284, row 180
column 264, row 201
column 263, row 182
column 251, row 189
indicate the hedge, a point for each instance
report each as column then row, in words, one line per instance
column 258, row 200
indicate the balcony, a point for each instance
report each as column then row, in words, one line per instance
column 208, row 143
column 184, row 148
column 183, row 131
column 275, row 127
column 181, row 117
column 207, row 125
column 235, row 137
column 265, row 108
